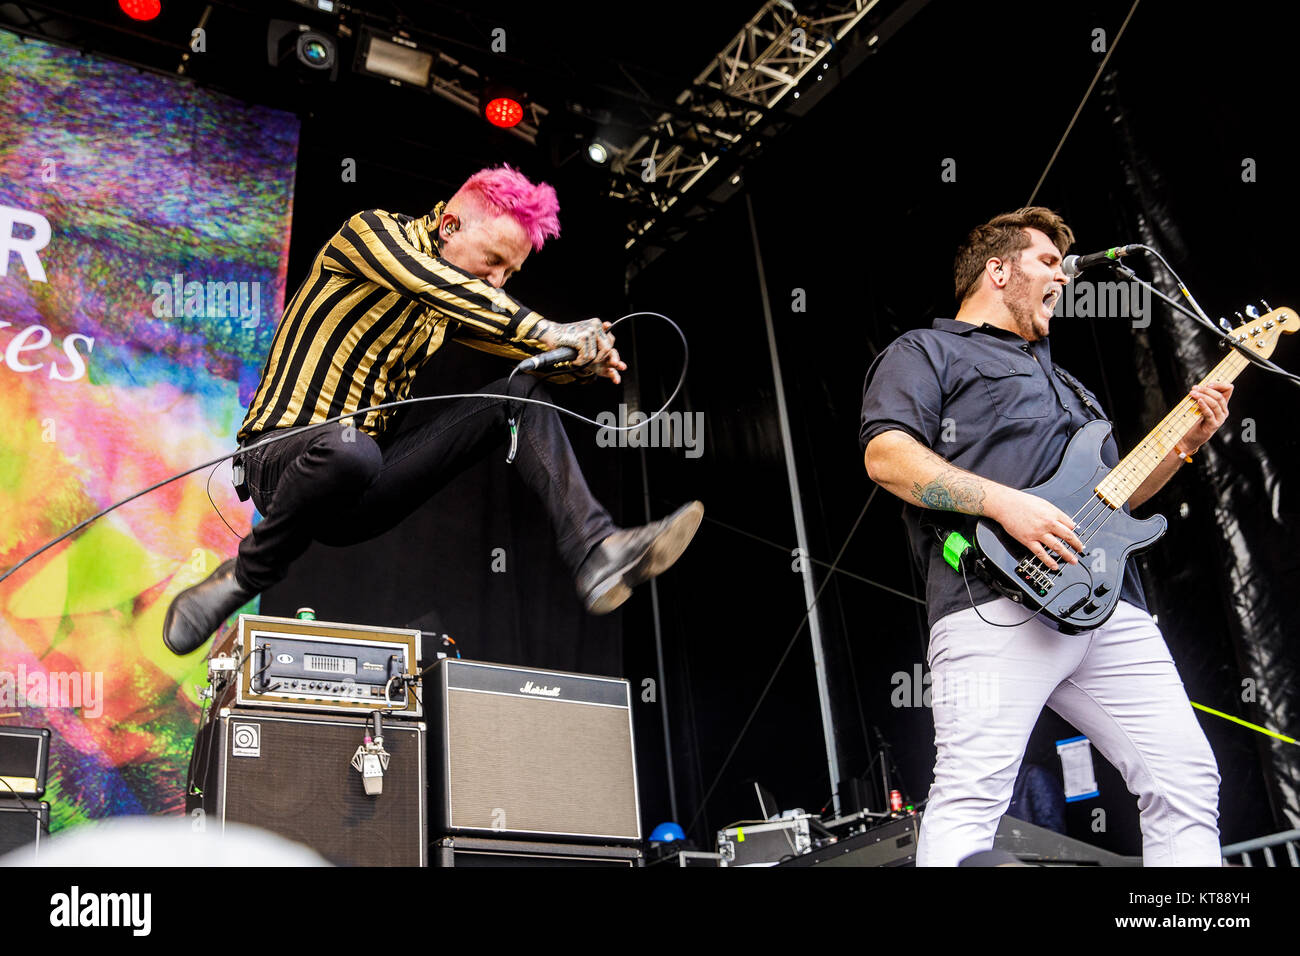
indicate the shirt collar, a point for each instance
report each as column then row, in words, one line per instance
column 424, row 231
column 965, row 328
column 1041, row 346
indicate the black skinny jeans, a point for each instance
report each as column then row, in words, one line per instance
column 340, row 486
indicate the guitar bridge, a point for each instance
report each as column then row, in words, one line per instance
column 1037, row 577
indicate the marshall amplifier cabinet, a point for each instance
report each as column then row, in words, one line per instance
column 23, row 829
column 294, row 774
column 531, row 753
column 290, row 664
column 24, row 761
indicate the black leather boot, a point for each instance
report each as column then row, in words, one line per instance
column 198, row 611
column 629, row 557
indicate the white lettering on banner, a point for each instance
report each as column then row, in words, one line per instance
column 35, row 337
column 26, row 248
column 21, row 343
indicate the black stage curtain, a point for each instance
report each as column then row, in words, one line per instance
column 1244, row 482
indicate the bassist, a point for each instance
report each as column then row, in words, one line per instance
column 956, row 418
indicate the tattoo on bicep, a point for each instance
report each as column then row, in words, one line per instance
column 950, row 491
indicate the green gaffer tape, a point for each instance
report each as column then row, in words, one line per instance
column 954, row 546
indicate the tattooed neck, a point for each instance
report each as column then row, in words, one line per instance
column 951, row 491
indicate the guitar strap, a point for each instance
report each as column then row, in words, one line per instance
column 1077, row 387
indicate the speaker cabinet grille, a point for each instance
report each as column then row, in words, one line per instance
column 293, row 776
column 23, row 829
column 519, row 762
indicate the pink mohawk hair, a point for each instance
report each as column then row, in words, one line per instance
column 505, row 191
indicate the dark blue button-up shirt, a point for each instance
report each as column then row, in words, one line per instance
column 986, row 400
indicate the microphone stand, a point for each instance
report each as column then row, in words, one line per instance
column 1224, row 336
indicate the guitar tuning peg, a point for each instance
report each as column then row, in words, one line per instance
column 1252, row 312
column 1264, row 303
column 1225, row 324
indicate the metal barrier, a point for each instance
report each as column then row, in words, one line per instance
column 1289, row 838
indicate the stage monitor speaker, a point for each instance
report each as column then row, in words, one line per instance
column 1042, row 847
column 464, row 851
column 894, row 844
column 23, row 829
column 293, row 775
column 541, row 754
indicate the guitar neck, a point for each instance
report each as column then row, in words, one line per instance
column 1126, row 477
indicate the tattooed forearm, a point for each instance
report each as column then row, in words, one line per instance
column 951, row 490
column 587, row 337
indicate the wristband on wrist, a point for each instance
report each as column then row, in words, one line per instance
column 1182, row 454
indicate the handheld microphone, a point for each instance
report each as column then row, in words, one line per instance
column 1073, row 265
column 547, row 359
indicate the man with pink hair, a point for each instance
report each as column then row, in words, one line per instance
column 383, row 295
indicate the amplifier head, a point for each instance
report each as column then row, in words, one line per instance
column 24, row 761
column 290, row 664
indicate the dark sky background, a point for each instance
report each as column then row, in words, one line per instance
column 850, row 207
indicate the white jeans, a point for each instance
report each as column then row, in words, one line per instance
column 1116, row 684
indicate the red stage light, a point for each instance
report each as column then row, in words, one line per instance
column 504, row 112
column 140, row 9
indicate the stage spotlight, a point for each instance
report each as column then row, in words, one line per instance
column 599, row 152
column 140, row 9
column 502, row 106
column 394, row 58
column 315, row 53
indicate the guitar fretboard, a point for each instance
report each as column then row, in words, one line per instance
column 1126, row 477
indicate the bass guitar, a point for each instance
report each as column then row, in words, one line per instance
column 1079, row 597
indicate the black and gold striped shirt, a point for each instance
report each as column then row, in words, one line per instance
column 377, row 304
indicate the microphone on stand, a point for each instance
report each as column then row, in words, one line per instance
column 1073, row 265
column 371, row 759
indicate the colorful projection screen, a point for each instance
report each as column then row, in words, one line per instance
column 144, row 234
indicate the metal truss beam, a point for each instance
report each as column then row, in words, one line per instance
column 729, row 108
